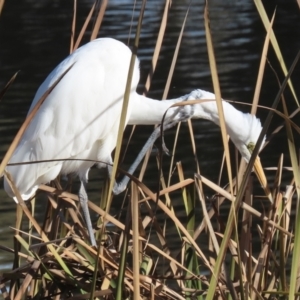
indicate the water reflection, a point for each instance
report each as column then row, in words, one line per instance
column 35, row 36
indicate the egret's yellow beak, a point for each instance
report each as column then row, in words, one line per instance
column 258, row 169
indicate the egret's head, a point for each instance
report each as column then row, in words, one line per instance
column 244, row 133
column 243, row 129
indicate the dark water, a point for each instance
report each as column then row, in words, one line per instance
column 35, row 36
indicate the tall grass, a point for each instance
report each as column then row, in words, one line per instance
column 213, row 252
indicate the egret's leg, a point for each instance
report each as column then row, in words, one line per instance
column 119, row 187
column 83, row 198
column 182, row 113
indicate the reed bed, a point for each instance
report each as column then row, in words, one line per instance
column 235, row 245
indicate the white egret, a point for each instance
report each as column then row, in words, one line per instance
column 80, row 117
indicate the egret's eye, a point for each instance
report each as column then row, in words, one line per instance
column 251, row 147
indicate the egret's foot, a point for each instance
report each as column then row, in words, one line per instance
column 120, row 187
column 186, row 112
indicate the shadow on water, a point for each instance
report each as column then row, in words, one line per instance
column 35, row 37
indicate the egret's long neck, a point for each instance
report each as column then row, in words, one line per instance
column 147, row 111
